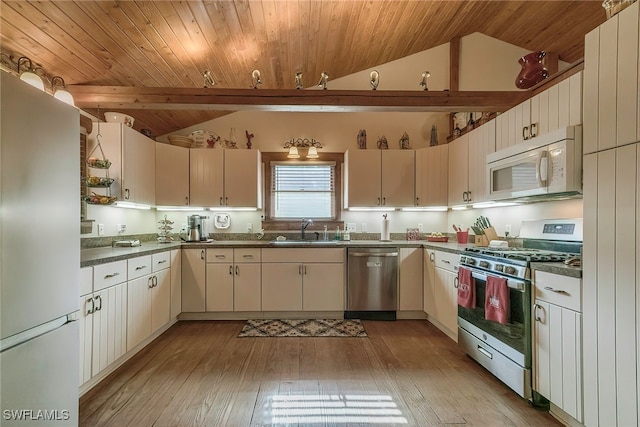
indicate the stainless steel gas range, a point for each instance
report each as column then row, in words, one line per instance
column 505, row 348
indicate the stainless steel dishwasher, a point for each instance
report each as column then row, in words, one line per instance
column 372, row 283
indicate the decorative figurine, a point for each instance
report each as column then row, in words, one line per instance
column 362, row 139
column 255, row 79
column 299, row 80
column 374, row 79
column 404, row 142
column 434, row 135
column 324, row 78
column 382, row 143
column 249, row 137
column 423, row 82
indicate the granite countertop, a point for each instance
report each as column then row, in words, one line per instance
column 557, row 268
column 95, row 256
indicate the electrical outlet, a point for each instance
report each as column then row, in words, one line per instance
column 420, row 227
column 351, row 226
column 121, row 228
column 100, row 229
column 364, row 227
column 507, row 230
column 249, row 227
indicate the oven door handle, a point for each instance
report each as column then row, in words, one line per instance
column 513, row 284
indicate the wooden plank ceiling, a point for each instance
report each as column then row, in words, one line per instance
column 170, row 43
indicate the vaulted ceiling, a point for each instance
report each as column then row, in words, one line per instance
column 170, row 43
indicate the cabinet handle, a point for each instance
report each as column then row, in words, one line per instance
column 155, row 281
column 221, row 202
column 220, row 256
column 300, row 269
column 186, row 200
column 456, row 284
column 248, row 256
column 226, row 201
column 231, row 270
column 305, row 269
column 464, row 196
column 485, row 352
column 93, row 306
column 384, row 201
column 109, row 276
column 141, row 267
column 126, row 194
column 533, row 132
column 150, row 282
column 162, row 262
column 98, row 308
column 378, row 201
column 417, row 201
column 202, row 254
column 237, row 270
column 525, row 133
column 557, row 291
column 535, row 313
column 432, row 256
column 446, row 262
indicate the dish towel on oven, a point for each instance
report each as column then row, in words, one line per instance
column 496, row 300
column 466, row 288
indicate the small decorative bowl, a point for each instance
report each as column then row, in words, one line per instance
column 114, row 117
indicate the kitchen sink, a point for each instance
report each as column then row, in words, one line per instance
column 302, row 242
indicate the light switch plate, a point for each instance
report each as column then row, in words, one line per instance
column 420, row 227
column 364, row 227
column 100, row 229
column 351, row 226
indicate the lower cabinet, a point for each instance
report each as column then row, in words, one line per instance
column 149, row 306
column 176, row 283
column 557, row 342
column 303, row 280
column 233, row 280
column 410, row 283
column 193, row 280
column 440, row 291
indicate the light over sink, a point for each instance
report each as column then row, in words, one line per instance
column 302, row 242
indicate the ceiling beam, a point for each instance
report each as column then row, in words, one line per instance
column 163, row 98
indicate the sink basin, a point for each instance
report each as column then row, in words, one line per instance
column 303, row 242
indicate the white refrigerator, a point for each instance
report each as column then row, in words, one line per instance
column 40, row 256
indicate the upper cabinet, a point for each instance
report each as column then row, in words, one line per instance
column 557, row 107
column 172, row 175
column 379, row 178
column 432, row 176
column 467, row 165
column 133, row 161
column 225, row 178
column 611, row 89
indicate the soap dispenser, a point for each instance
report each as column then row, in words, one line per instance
column 346, row 235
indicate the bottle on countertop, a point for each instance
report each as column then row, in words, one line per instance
column 338, row 235
column 346, row 235
column 325, row 234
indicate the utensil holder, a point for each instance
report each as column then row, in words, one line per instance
column 462, row 236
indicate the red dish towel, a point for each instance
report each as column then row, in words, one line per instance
column 466, row 288
column 496, row 300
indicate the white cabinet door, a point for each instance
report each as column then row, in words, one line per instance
column 363, row 178
column 459, row 170
column 282, row 286
column 138, row 167
column 541, row 350
column 323, row 287
column 481, row 143
column 85, row 326
column 176, row 283
column 431, row 176
column 172, row 175
column 138, row 310
column 446, row 307
column 247, row 287
column 410, row 284
column 242, row 178
column 429, row 297
column 398, row 178
column 206, row 177
column 219, row 287
column 109, row 326
column 193, row 279
column 161, row 300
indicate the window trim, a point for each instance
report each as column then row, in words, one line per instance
column 269, row 223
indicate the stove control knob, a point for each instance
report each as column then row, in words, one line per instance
column 510, row 270
column 499, row 267
column 463, row 260
column 471, row 261
column 484, row 264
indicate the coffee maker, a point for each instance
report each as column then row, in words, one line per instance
column 195, row 228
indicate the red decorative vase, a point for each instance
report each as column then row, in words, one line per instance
column 533, row 71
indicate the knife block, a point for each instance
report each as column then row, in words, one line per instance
column 484, row 239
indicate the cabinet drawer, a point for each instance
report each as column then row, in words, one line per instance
column 86, row 280
column 109, row 274
column 447, row 260
column 138, row 267
column 246, row 255
column 220, row 255
column 160, row 261
column 560, row 290
column 317, row 255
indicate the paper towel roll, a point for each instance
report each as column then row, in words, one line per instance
column 384, row 236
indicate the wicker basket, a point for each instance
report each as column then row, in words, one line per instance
column 181, row 141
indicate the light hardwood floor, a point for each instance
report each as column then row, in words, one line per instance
column 405, row 373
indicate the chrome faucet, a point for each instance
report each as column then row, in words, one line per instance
column 303, row 226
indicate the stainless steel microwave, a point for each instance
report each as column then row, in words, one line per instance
column 549, row 166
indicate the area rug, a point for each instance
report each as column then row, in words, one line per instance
column 303, row 328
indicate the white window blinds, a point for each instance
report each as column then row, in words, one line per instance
column 302, row 190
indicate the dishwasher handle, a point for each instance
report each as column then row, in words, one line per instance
column 374, row 254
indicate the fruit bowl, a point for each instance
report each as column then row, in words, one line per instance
column 97, row 163
column 114, row 117
column 98, row 199
column 437, row 239
column 98, row 181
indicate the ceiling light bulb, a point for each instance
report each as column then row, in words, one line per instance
column 30, row 75
column 293, row 153
column 61, row 93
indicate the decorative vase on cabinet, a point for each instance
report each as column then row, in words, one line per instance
column 533, row 70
